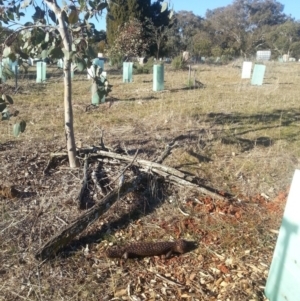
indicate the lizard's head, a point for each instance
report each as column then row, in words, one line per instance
column 183, row 246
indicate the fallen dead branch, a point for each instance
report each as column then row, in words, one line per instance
column 169, row 173
column 62, row 238
column 185, row 183
column 145, row 163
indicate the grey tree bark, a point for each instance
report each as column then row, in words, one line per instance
column 67, row 42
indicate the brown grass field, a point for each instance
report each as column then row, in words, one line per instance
column 236, row 138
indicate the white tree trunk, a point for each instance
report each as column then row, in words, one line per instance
column 67, row 42
column 69, row 129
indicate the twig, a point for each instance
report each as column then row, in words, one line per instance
column 166, row 152
column 166, row 279
column 16, row 294
column 84, row 183
column 199, row 289
column 95, row 181
column 39, row 279
column 14, row 35
column 60, row 219
column 185, row 214
column 128, row 290
column 50, row 162
column 125, row 168
column 101, row 141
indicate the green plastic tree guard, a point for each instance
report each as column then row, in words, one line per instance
column 99, row 62
column 15, row 67
column 7, row 62
column 98, row 95
column 283, row 282
column 3, row 79
column 72, row 70
column 40, row 72
column 60, row 64
column 95, row 95
column 127, row 72
column 258, row 75
column 158, row 77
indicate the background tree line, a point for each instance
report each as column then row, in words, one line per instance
column 151, row 28
column 239, row 29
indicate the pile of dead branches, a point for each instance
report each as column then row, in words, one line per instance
column 98, row 167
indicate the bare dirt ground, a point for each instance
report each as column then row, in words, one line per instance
column 233, row 137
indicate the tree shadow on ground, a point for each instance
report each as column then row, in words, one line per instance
column 260, row 121
column 212, row 130
column 113, row 99
column 247, row 144
column 286, row 117
column 187, row 88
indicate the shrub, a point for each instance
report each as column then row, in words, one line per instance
column 139, row 69
column 178, row 63
column 116, row 60
column 144, row 69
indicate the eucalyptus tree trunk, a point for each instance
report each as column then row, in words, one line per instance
column 69, row 129
column 67, row 42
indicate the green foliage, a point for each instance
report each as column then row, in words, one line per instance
column 6, row 71
column 216, row 51
column 178, row 63
column 285, row 38
column 146, row 68
column 116, row 60
column 189, row 31
column 201, row 44
column 239, row 29
column 102, row 46
column 5, row 101
column 131, row 40
column 190, row 83
column 100, row 85
column 41, row 38
column 141, row 10
column 140, row 69
column 121, row 11
column 295, row 49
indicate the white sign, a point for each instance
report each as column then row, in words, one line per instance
column 246, row 71
column 285, row 57
column 263, row 55
column 284, row 276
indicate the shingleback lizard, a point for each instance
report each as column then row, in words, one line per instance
column 143, row 249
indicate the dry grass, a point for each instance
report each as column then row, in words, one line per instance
column 234, row 137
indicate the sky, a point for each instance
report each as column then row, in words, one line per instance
column 199, row 7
